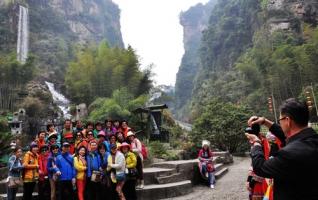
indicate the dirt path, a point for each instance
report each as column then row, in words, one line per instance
column 230, row 187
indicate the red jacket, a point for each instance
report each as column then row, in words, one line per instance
column 205, row 154
column 43, row 159
column 40, row 143
column 125, row 131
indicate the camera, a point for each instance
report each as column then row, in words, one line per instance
column 255, row 129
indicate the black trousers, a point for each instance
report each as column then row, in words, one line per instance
column 28, row 188
column 93, row 190
column 113, row 192
column 106, row 192
column 65, row 190
column 129, row 189
column 44, row 189
column 11, row 192
column 140, row 175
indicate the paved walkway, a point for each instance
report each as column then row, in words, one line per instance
column 230, row 187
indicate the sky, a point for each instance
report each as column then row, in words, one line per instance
column 152, row 28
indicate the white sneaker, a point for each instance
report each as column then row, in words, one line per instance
column 142, row 185
column 212, row 186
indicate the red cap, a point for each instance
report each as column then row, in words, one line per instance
column 68, row 135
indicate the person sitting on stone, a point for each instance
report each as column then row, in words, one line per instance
column 206, row 163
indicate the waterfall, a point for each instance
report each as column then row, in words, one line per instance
column 23, row 34
column 60, row 100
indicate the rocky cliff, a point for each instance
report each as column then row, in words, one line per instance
column 194, row 21
column 249, row 50
column 57, row 27
column 287, row 14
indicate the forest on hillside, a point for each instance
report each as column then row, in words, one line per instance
column 250, row 51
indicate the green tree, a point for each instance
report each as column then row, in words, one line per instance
column 119, row 106
column 222, row 124
column 99, row 71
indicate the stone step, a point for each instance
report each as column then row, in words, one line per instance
column 162, row 191
column 150, row 174
column 220, row 173
column 218, row 167
column 19, row 196
column 177, row 177
column 179, row 164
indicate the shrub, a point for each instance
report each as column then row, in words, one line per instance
column 158, row 150
column 223, row 125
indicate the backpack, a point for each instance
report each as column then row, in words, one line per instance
column 144, row 151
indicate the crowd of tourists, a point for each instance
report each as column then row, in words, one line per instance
column 92, row 162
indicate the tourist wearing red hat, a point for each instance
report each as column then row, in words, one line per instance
column 129, row 188
column 43, row 184
column 67, row 131
column 69, row 139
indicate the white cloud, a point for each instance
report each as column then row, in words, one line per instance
column 152, row 28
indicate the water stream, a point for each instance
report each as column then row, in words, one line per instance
column 23, row 34
column 60, row 100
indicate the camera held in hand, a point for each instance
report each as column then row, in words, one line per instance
column 255, row 129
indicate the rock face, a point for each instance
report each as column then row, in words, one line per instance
column 59, row 27
column 90, row 20
column 194, row 21
column 287, row 14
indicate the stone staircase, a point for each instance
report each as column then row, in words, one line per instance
column 162, row 180
column 174, row 178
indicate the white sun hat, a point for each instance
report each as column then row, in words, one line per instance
column 205, row 142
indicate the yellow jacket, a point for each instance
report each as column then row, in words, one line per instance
column 31, row 167
column 131, row 160
column 80, row 168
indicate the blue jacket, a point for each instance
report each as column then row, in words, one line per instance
column 15, row 166
column 103, row 160
column 50, row 167
column 93, row 163
column 107, row 145
column 65, row 164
